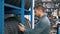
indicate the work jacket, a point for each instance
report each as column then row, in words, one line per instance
column 42, row 27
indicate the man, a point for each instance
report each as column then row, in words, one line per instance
column 41, row 27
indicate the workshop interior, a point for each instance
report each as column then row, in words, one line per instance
column 21, row 12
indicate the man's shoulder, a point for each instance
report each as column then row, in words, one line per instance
column 45, row 19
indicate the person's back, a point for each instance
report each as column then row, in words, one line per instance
column 44, row 25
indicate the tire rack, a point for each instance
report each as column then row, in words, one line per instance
column 21, row 11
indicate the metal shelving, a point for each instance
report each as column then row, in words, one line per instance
column 1, row 16
column 20, row 10
column 17, row 10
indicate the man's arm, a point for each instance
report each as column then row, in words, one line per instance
column 41, row 27
column 37, row 30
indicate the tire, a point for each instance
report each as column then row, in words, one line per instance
column 18, row 3
column 11, row 26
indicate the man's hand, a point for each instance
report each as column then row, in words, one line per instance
column 22, row 28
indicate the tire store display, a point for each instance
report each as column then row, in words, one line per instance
column 11, row 22
column 11, row 25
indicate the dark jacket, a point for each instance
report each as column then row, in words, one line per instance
column 43, row 27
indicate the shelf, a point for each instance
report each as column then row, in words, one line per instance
column 16, row 10
column 12, row 6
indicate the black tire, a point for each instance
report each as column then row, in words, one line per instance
column 11, row 26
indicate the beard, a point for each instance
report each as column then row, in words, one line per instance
column 37, row 16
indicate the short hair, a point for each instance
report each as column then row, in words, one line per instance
column 39, row 6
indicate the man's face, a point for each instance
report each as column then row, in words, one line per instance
column 36, row 12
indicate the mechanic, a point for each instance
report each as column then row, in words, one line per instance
column 42, row 26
